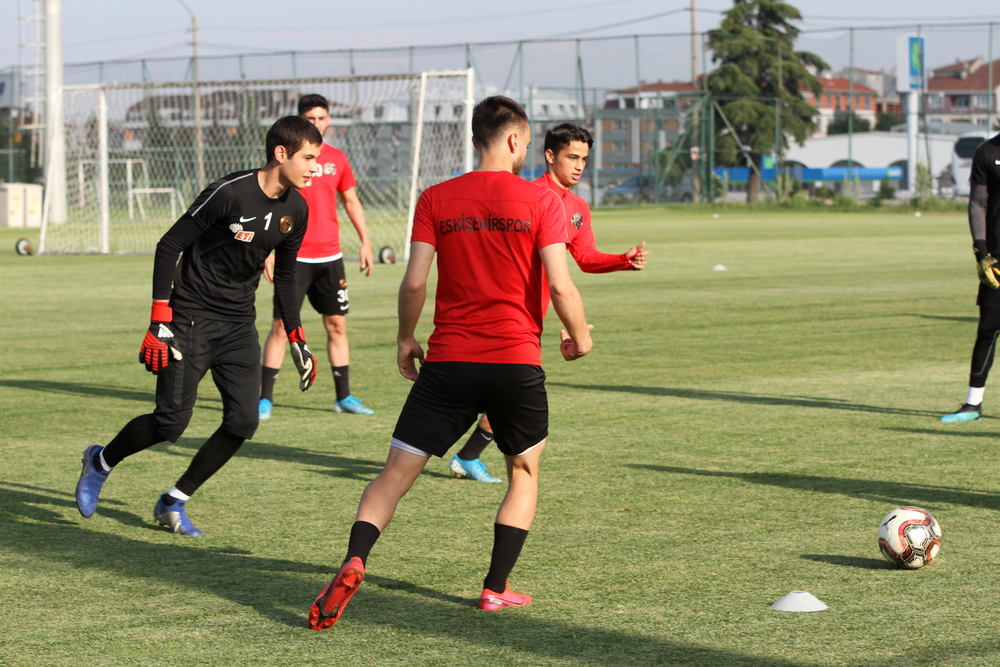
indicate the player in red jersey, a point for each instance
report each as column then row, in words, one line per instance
column 320, row 269
column 567, row 148
column 497, row 239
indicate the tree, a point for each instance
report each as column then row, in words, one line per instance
column 886, row 121
column 840, row 125
column 757, row 66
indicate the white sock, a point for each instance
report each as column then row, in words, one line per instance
column 975, row 396
column 174, row 493
column 104, row 464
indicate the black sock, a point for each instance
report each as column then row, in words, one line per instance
column 267, row 378
column 341, row 381
column 139, row 434
column 476, row 445
column 167, row 499
column 363, row 538
column 507, row 544
column 214, row 454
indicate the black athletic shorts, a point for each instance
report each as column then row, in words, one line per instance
column 449, row 396
column 324, row 283
column 232, row 352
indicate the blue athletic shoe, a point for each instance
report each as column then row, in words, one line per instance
column 474, row 469
column 175, row 518
column 264, row 408
column 966, row 413
column 352, row 405
column 88, row 487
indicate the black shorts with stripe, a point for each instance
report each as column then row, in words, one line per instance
column 324, row 283
column 449, row 396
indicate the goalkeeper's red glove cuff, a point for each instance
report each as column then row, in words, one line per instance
column 162, row 312
column 297, row 335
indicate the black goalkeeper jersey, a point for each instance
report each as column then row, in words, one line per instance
column 225, row 237
column 986, row 171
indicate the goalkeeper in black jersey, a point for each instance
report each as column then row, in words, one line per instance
column 203, row 315
column 984, row 222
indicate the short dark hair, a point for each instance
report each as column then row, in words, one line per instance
column 309, row 102
column 492, row 116
column 560, row 136
column 291, row 132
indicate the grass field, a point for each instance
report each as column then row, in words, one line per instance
column 734, row 436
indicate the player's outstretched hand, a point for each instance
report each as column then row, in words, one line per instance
column 408, row 354
column 159, row 345
column 571, row 349
column 636, row 256
column 305, row 363
column 367, row 258
column 987, row 269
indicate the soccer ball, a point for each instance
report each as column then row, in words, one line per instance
column 909, row 537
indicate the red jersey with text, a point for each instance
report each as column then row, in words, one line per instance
column 487, row 228
column 582, row 245
column 333, row 174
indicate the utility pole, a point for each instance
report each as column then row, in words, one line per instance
column 695, row 129
column 199, row 140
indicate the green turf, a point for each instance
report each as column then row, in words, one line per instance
column 734, row 436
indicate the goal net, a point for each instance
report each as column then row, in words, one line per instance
column 136, row 158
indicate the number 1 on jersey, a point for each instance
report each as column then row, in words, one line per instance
column 267, row 218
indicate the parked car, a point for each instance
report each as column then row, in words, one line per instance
column 643, row 188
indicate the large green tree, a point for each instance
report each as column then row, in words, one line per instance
column 757, row 64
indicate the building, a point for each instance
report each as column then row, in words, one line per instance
column 883, row 82
column 838, row 99
column 960, row 92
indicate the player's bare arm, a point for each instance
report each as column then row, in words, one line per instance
column 412, row 293
column 356, row 214
column 567, row 302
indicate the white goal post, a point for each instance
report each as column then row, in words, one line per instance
column 132, row 161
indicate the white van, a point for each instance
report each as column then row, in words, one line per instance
column 961, row 159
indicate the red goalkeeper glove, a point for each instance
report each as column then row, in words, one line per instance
column 305, row 363
column 159, row 345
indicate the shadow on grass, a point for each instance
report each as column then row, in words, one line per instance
column 851, row 561
column 898, row 493
column 33, row 526
column 324, row 463
column 753, row 399
column 948, row 318
column 80, row 389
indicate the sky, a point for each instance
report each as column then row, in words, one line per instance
column 154, row 29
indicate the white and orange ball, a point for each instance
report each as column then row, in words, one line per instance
column 909, row 537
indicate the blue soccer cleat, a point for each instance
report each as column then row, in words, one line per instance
column 966, row 413
column 474, row 469
column 352, row 405
column 88, row 487
column 264, row 408
column 175, row 517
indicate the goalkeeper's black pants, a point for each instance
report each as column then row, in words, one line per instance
column 985, row 347
column 232, row 352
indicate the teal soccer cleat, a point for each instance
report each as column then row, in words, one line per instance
column 264, row 408
column 352, row 405
column 966, row 413
column 474, row 469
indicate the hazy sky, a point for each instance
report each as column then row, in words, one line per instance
column 159, row 28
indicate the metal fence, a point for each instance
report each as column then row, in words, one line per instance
column 634, row 92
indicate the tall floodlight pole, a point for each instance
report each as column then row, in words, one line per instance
column 55, row 129
column 199, row 139
column 695, row 130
